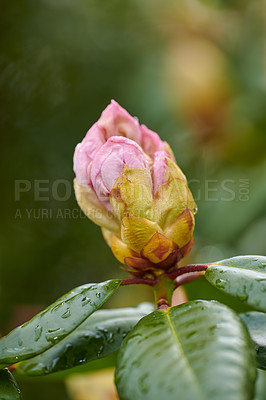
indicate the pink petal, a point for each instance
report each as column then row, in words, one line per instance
column 81, row 161
column 109, row 163
column 116, row 121
column 150, row 141
column 158, row 169
column 85, row 152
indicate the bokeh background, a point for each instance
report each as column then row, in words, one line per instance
column 193, row 71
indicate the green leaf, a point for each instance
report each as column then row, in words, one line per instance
column 260, row 389
column 199, row 350
column 9, row 389
column 55, row 322
column 98, row 336
column 256, row 324
column 243, row 277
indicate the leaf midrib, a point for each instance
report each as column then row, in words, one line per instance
column 179, row 344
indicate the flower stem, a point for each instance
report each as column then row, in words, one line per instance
column 186, row 278
column 134, row 281
column 186, row 269
column 163, row 292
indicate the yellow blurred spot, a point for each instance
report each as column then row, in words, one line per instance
column 92, row 386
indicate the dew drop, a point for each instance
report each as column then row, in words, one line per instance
column 53, row 330
column 54, row 363
column 220, row 283
column 54, row 335
column 50, row 338
column 100, row 351
column 98, row 294
column 242, row 297
column 195, row 210
column 57, row 306
column 110, row 339
column 69, row 301
column 20, row 342
column 38, row 333
column 66, row 314
column 242, row 294
column 85, row 300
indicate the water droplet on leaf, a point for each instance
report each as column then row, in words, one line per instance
column 100, row 351
column 57, row 306
column 38, row 333
column 220, row 283
column 110, row 339
column 66, row 314
column 85, row 300
column 53, row 330
column 54, row 335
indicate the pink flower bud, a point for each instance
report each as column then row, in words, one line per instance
column 158, row 169
column 127, row 182
column 150, row 141
column 111, row 159
column 85, row 153
column 116, row 121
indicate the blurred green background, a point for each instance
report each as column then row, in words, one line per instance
column 193, row 71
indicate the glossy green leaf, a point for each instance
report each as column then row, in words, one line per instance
column 199, row 350
column 243, row 277
column 9, row 389
column 256, row 324
column 55, row 322
column 260, row 389
column 101, row 334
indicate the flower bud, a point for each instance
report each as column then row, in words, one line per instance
column 127, row 182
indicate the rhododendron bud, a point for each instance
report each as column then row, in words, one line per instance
column 127, row 182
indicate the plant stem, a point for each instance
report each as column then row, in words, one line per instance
column 143, row 281
column 188, row 277
column 186, row 269
column 163, row 292
column 164, row 285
